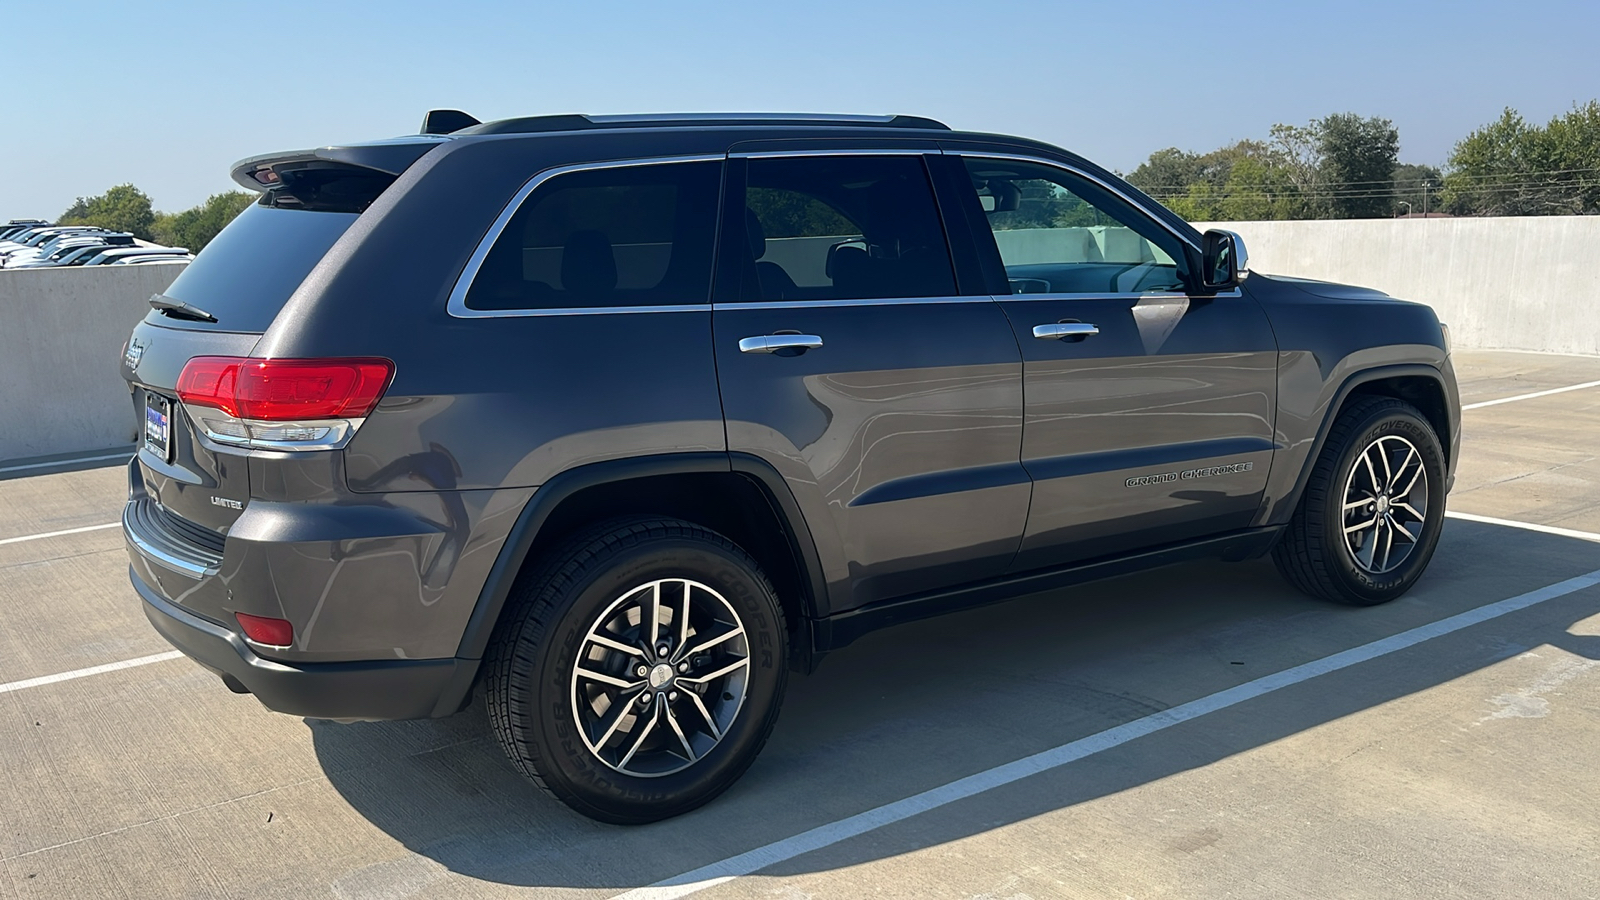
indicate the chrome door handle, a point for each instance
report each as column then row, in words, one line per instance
column 1059, row 330
column 771, row 343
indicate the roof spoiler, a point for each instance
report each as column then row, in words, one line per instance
column 446, row 121
column 391, row 157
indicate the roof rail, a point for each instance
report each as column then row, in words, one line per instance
column 578, row 122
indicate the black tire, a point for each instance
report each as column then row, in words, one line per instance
column 1312, row 553
column 534, row 696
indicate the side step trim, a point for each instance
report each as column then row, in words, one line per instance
column 843, row 629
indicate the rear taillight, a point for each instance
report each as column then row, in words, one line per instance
column 284, row 404
column 264, row 630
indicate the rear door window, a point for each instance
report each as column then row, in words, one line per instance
column 843, row 228
column 623, row 236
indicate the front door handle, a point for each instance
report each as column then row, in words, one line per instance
column 772, row 343
column 1059, row 331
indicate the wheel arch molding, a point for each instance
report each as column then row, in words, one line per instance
column 1420, row 384
column 673, row 484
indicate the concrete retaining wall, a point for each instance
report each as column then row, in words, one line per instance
column 1513, row 283
column 1503, row 283
column 60, row 333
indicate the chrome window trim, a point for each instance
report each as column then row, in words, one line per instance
column 865, row 301
column 1112, row 295
column 1018, row 157
column 457, row 305
column 577, row 311
column 866, row 151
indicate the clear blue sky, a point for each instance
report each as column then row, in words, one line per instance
column 167, row 95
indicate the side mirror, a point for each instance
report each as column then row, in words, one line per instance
column 1224, row 262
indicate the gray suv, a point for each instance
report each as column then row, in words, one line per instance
column 619, row 420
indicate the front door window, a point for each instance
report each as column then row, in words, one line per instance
column 1061, row 234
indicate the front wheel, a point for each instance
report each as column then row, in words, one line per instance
column 639, row 670
column 1373, row 507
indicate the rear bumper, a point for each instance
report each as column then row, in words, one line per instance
column 371, row 690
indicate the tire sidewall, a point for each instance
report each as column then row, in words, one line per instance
column 1367, row 587
column 573, row 769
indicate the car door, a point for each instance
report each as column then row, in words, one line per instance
column 849, row 360
column 1149, row 415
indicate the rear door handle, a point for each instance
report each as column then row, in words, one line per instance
column 1056, row 331
column 772, row 343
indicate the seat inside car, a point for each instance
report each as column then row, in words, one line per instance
column 773, row 278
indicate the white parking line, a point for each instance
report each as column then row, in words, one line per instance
column 1559, row 390
column 85, row 673
column 832, row 833
column 51, row 534
column 1526, row 526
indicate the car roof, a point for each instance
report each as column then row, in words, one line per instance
column 708, row 132
column 578, row 137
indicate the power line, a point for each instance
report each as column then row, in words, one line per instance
column 1451, row 177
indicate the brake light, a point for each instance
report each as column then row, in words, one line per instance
column 264, row 630
column 285, row 390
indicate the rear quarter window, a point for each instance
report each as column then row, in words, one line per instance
column 639, row 235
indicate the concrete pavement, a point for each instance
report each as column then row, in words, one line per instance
column 1461, row 766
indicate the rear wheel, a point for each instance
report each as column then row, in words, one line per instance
column 639, row 670
column 1373, row 507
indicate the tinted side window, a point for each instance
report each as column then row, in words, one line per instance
column 843, row 228
column 1061, row 234
column 628, row 236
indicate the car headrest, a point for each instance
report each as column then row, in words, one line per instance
column 587, row 264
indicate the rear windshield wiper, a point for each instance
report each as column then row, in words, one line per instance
column 179, row 309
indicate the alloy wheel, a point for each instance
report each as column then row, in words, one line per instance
column 1385, row 504
column 660, row 677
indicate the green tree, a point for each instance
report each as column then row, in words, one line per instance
column 1359, row 155
column 1195, row 186
column 122, row 208
column 1411, row 183
column 1167, row 172
column 1259, row 188
column 194, row 228
column 1299, row 152
column 1512, row 168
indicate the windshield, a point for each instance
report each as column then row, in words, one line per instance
column 247, row 273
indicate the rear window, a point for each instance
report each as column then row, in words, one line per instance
column 247, row 272
column 613, row 237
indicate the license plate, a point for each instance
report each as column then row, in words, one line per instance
column 158, row 425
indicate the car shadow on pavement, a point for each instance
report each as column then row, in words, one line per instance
column 914, row 707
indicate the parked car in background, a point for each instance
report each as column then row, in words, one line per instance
column 119, row 253
column 83, row 254
column 35, row 237
column 151, row 259
column 43, row 249
column 60, row 251
column 17, row 226
column 33, row 244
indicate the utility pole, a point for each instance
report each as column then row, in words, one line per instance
column 1424, row 198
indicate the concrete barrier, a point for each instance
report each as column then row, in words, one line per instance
column 1513, row 283
column 60, row 333
column 1500, row 283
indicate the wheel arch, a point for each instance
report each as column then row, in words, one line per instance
column 1419, row 384
column 738, row 496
